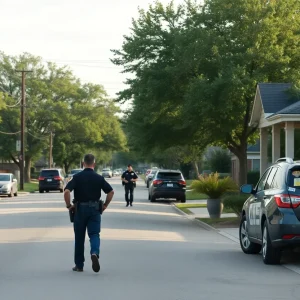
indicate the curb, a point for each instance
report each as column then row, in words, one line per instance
column 206, row 226
column 190, row 217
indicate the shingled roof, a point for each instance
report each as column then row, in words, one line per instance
column 276, row 98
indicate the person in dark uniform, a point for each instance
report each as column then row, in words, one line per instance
column 87, row 186
column 129, row 178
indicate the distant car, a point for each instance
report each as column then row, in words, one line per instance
column 72, row 173
column 51, row 180
column 271, row 215
column 149, row 177
column 8, row 184
column 107, row 173
column 116, row 173
column 168, row 184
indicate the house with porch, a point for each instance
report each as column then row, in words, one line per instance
column 275, row 109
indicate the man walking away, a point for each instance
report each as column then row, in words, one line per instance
column 129, row 179
column 87, row 186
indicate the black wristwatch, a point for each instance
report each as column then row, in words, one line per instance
column 69, row 206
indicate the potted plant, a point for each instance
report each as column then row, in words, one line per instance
column 214, row 187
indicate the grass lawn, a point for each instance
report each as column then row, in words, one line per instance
column 185, row 207
column 192, row 195
column 30, row 187
column 222, row 223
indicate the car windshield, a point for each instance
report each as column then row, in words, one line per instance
column 169, row 175
column 294, row 178
column 49, row 173
column 4, row 177
column 75, row 171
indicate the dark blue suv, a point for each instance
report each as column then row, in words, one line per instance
column 271, row 215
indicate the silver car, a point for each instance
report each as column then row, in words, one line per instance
column 8, row 185
column 107, row 173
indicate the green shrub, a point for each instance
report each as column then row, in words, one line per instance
column 213, row 186
column 253, row 177
column 235, row 202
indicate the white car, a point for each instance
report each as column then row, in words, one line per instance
column 8, row 185
column 107, row 173
column 116, row 173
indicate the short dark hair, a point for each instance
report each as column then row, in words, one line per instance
column 89, row 159
column 129, row 165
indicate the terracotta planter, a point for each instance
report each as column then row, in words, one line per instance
column 215, row 208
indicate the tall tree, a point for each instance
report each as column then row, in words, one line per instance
column 196, row 69
column 80, row 115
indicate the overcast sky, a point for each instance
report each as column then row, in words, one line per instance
column 74, row 32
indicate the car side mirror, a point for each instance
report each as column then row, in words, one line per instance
column 247, row 189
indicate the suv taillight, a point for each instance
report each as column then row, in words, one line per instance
column 41, row 178
column 157, row 182
column 57, row 178
column 287, row 201
column 182, row 182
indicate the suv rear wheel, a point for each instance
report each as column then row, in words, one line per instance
column 153, row 199
column 183, row 199
column 247, row 246
column 271, row 255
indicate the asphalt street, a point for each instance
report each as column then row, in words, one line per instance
column 148, row 251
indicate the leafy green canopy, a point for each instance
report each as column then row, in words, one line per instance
column 196, row 69
column 80, row 116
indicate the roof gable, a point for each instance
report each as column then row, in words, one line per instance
column 275, row 96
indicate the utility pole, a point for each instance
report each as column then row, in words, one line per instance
column 50, row 150
column 23, row 122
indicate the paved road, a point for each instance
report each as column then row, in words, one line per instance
column 148, row 252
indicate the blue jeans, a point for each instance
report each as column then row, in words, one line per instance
column 86, row 218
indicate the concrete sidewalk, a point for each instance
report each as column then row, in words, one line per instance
column 201, row 212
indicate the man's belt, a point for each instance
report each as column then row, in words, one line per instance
column 89, row 203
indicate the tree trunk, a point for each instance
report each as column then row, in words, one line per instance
column 243, row 167
column 240, row 150
column 27, row 169
column 66, row 166
column 196, row 168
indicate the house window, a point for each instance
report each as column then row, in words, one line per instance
column 255, row 165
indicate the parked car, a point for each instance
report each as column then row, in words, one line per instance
column 271, row 215
column 51, row 180
column 149, row 177
column 72, row 173
column 116, row 173
column 168, row 184
column 8, row 184
column 107, row 173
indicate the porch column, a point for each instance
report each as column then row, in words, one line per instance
column 289, row 139
column 263, row 150
column 275, row 142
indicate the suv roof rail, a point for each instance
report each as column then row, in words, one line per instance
column 285, row 159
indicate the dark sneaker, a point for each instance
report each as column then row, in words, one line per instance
column 131, row 204
column 95, row 263
column 127, row 204
column 76, row 269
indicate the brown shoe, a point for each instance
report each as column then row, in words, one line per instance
column 76, row 269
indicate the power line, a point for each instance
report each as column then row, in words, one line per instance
column 12, row 106
column 10, row 133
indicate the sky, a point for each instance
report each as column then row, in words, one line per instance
column 71, row 32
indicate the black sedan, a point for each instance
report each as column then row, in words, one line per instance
column 168, row 184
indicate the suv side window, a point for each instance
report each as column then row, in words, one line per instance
column 270, row 179
column 279, row 178
column 261, row 184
